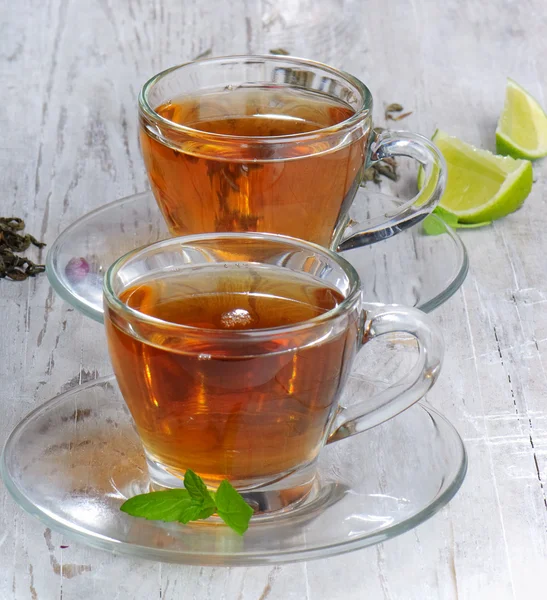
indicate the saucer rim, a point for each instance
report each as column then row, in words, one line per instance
column 203, row 558
column 87, row 309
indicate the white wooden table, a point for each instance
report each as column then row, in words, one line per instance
column 70, row 72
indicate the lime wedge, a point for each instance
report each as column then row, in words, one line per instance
column 481, row 186
column 522, row 128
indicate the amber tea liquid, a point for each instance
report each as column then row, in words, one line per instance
column 238, row 409
column 206, row 186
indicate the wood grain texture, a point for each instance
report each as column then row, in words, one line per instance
column 71, row 72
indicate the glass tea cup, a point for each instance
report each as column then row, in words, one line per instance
column 231, row 351
column 272, row 144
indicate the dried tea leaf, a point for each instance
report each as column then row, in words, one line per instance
column 204, row 54
column 16, row 268
column 386, row 167
column 394, row 107
column 12, row 223
column 386, row 171
column 280, row 51
column 400, row 117
column 16, row 275
column 370, row 174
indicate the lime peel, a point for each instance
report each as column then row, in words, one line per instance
column 522, row 126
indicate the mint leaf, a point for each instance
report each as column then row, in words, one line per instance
column 206, row 512
column 195, row 487
column 432, row 226
column 448, row 217
column 192, row 503
column 232, row 509
column 190, row 513
column 158, row 506
column 201, row 495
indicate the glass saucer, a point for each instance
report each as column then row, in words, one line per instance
column 73, row 461
column 410, row 268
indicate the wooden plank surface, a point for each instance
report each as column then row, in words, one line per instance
column 70, row 74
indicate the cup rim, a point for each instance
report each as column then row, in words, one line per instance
column 120, row 307
column 362, row 113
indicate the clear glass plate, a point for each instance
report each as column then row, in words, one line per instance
column 74, row 460
column 410, row 268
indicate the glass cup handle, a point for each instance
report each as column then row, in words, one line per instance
column 413, row 145
column 379, row 320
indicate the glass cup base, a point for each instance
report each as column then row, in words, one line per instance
column 282, row 494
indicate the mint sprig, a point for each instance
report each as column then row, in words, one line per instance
column 193, row 503
column 433, row 227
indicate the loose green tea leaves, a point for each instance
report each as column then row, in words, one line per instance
column 280, row 51
column 193, row 503
column 17, row 268
column 370, row 174
column 394, row 107
column 386, row 167
column 10, row 236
